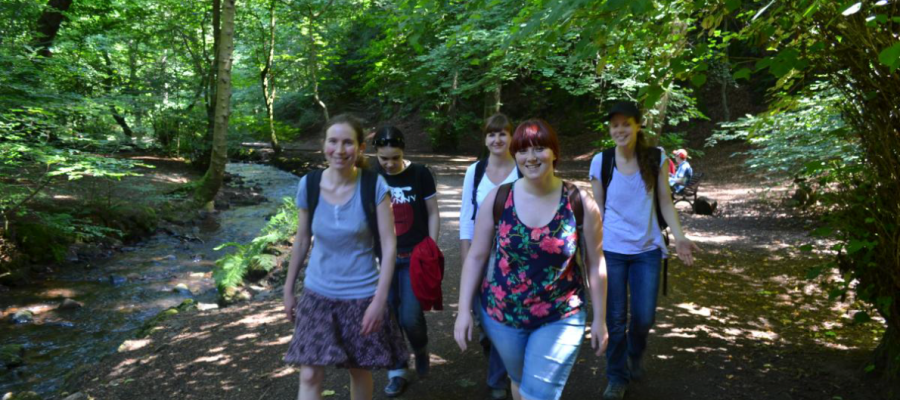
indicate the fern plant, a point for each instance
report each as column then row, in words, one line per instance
column 233, row 267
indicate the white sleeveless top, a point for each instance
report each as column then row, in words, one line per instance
column 629, row 217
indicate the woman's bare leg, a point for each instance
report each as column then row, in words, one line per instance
column 311, row 379
column 361, row 384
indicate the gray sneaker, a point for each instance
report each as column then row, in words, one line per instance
column 498, row 394
column 614, row 391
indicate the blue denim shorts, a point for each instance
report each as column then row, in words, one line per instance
column 538, row 360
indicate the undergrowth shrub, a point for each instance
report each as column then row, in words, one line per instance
column 255, row 257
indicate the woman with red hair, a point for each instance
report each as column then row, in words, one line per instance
column 533, row 297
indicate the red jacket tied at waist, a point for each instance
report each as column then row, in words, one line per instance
column 426, row 271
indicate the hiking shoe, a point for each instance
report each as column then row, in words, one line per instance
column 498, row 394
column 636, row 366
column 395, row 387
column 423, row 363
column 614, row 391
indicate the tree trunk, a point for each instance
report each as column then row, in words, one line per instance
column 212, row 181
column 492, row 100
column 121, row 121
column 268, row 81
column 314, row 64
column 213, row 69
column 48, row 25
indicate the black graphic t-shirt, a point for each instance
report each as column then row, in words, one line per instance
column 409, row 190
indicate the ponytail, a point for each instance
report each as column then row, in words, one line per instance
column 645, row 161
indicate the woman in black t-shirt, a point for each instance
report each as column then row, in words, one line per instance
column 416, row 217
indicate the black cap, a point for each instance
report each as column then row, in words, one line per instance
column 626, row 108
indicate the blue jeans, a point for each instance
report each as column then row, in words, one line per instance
column 496, row 374
column 406, row 308
column 640, row 273
column 539, row 360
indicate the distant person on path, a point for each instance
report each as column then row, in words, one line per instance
column 632, row 240
column 533, row 296
column 482, row 177
column 683, row 173
column 342, row 318
column 416, row 218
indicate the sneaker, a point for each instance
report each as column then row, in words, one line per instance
column 498, row 394
column 423, row 363
column 395, row 387
column 614, row 391
column 636, row 366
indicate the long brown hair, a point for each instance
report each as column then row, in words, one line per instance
column 357, row 126
column 645, row 159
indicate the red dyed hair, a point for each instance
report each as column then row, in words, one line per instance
column 535, row 132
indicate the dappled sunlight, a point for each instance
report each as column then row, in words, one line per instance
column 219, row 359
column 57, row 293
column 252, row 321
column 247, row 336
column 135, row 344
column 281, row 341
column 717, row 239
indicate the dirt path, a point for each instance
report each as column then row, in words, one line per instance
column 743, row 323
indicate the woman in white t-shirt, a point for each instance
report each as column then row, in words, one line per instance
column 497, row 168
column 632, row 241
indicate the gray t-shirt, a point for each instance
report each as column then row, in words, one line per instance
column 342, row 263
column 629, row 218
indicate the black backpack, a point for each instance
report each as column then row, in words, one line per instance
column 480, row 168
column 369, row 181
column 606, row 174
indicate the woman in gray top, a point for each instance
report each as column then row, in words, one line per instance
column 341, row 319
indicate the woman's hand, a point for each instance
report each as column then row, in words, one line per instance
column 462, row 330
column 373, row 317
column 599, row 336
column 290, row 303
column 685, row 247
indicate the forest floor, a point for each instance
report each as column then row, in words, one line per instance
column 742, row 323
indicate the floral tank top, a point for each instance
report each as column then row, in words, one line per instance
column 535, row 279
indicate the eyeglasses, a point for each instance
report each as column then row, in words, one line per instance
column 389, row 142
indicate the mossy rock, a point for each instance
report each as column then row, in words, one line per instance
column 23, row 396
column 152, row 324
column 11, row 355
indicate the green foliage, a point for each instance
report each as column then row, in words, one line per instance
column 812, row 140
column 256, row 255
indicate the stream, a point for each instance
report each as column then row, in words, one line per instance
column 122, row 292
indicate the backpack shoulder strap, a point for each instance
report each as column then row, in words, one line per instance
column 500, row 200
column 575, row 201
column 313, row 179
column 369, row 183
column 480, row 168
column 655, row 155
column 608, row 162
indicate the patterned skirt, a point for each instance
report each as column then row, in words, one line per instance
column 327, row 332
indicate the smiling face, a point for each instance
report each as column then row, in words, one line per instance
column 497, row 142
column 341, row 147
column 623, row 130
column 535, row 161
column 390, row 159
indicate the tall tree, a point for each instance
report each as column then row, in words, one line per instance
column 48, row 25
column 211, row 183
column 267, row 78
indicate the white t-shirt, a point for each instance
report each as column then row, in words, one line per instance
column 629, row 218
column 467, row 210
